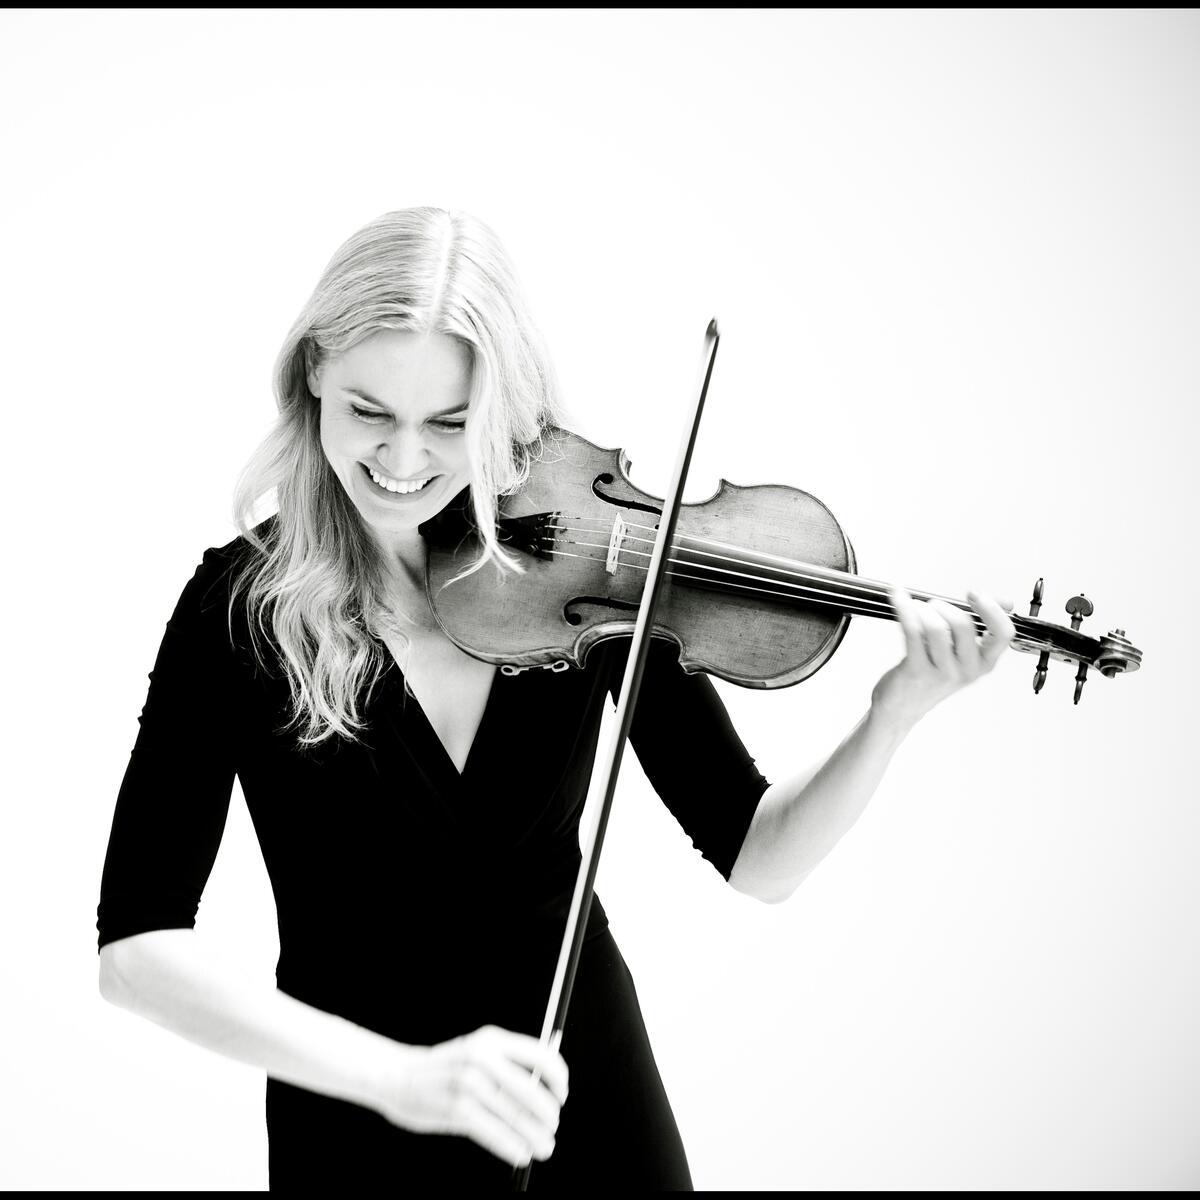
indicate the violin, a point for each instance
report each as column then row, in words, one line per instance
column 761, row 580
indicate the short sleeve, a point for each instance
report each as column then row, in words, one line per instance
column 174, row 798
column 692, row 754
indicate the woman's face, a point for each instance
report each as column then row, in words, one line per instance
column 393, row 414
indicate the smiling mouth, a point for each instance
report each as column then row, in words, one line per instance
column 396, row 487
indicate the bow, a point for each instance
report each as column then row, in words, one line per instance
column 605, row 769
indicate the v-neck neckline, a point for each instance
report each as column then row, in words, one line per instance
column 409, row 696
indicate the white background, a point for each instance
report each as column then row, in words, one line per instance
column 955, row 261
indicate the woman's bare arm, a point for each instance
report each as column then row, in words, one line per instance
column 478, row 1085
column 171, row 978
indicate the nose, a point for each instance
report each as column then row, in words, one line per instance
column 404, row 455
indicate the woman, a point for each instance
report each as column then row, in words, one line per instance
column 421, row 857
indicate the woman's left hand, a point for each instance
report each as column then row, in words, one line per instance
column 942, row 653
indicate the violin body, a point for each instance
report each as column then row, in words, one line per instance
column 575, row 593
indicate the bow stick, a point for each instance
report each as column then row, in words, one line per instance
column 605, row 768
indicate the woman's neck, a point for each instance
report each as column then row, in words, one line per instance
column 404, row 560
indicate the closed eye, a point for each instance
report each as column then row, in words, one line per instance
column 446, row 425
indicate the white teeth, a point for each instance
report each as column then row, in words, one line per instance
column 402, row 488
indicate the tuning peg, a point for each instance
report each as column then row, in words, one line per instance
column 1039, row 676
column 1080, row 679
column 1079, row 607
column 1035, row 605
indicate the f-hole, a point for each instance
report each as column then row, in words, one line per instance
column 606, row 479
column 573, row 618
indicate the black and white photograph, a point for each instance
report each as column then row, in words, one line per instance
column 600, row 599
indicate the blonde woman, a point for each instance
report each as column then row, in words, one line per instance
column 421, row 862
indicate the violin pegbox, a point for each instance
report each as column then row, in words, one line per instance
column 1112, row 655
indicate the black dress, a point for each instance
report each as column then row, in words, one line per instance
column 415, row 901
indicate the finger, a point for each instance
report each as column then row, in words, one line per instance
column 481, row 1125
column 939, row 645
column 909, row 617
column 512, row 1113
column 535, row 1098
column 962, row 637
column 995, row 613
column 1000, row 629
column 529, row 1052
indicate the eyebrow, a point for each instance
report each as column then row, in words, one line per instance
column 447, row 412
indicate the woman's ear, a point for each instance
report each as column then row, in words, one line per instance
column 312, row 369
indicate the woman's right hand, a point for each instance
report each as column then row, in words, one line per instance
column 481, row 1086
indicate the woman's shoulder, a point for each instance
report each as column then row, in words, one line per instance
column 219, row 566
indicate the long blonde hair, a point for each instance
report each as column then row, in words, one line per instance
column 315, row 572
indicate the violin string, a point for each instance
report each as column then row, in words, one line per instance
column 788, row 566
column 842, row 579
column 841, row 606
column 797, row 590
column 862, row 609
column 851, row 583
column 1028, row 639
column 808, row 595
column 866, row 605
column 882, row 605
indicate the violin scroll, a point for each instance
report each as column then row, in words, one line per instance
column 1117, row 654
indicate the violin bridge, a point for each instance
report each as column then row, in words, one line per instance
column 615, row 541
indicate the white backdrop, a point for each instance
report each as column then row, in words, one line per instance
column 955, row 260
